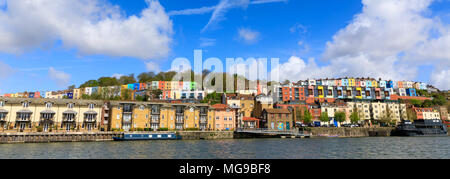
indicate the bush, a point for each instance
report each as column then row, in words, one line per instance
column 163, row 129
column 39, row 129
column 139, row 129
column 192, row 129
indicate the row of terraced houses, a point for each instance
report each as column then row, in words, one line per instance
column 252, row 108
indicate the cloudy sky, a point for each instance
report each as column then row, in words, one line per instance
column 51, row 44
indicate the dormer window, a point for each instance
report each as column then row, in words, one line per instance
column 91, row 106
column 48, row 105
column 25, row 104
column 70, row 105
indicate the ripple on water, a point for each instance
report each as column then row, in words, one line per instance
column 323, row 148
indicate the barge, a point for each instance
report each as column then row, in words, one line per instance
column 133, row 137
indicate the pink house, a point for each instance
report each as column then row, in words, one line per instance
column 225, row 118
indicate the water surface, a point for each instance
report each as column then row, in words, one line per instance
column 315, row 148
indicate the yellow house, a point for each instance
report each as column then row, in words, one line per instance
column 49, row 115
column 351, row 82
column 358, row 93
column 131, row 116
column 320, row 90
column 375, row 83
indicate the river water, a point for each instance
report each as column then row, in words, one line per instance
column 315, row 148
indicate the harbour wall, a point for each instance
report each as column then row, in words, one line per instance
column 10, row 138
column 351, row 132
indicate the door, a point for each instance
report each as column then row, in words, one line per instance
column 89, row 127
column 288, row 127
column 67, row 127
column 22, row 127
column 46, row 127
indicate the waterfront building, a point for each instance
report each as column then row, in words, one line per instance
column 127, row 116
column 426, row 113
column 262, row 102
column 332, row 108
column 225, row 117
column 49, row 115
column 277, row 119
column 251, row 123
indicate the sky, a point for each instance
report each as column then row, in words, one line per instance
column 52, row 44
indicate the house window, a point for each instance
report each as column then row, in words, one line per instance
column 48, row 105
column 1, row 104
column 70, row 105
column 25, row 104
column 91, row 106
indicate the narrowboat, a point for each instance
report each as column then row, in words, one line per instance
column 131, row 137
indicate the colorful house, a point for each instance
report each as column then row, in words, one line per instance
column 358, row 94
column 344, row 82
column 411, row 92
column 340, row 92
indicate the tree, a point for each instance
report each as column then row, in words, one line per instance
column 439, row 100
column 416, row 102
column 90, row 83
column 126, row 94
column 427, row 103
column 213, row 98
column 108, row 81
column 146, row 77
column 411, row 114
column 307, row 117
column 355, row 117
column 386, row 118
column 340, row 117
column 324, row 117
column 299, row 114
column 124, row 80
column 72, row 87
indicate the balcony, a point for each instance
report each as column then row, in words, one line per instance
column 90, row 120
column 23, row 120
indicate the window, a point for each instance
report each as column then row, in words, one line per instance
column 70, row 105
column 1, row 104
column 91, row 106
column 25, row 104
column 48, row 105
column 141, row 107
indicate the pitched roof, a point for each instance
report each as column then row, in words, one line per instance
column 220, row 106
column 278, row 111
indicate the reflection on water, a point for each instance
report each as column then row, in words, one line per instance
column 334, row 148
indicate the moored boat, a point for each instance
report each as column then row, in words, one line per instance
column 131, row 137
column 421, row 128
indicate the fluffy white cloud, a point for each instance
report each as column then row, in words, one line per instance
column 90, row 26
column 6, row 70
column 153, row 67
column 249, row 36
column 441, row 79
column 389, row 39
column 61, row 78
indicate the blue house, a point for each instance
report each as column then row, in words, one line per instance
column 411, row 92
column 344, row 82
column 340, row 92
column 136, row 86
column 31, row 95
column 70, row 95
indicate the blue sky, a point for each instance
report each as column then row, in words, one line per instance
column 293, row 30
